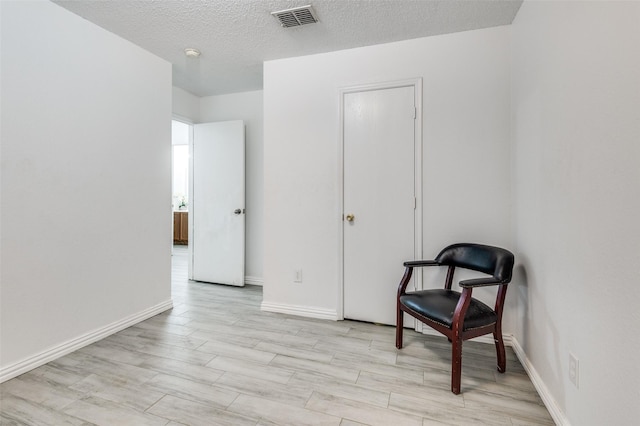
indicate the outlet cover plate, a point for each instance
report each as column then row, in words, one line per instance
column 574, row 370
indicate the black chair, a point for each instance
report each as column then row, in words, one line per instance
column 458, row 315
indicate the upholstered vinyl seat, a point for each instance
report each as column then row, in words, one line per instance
column 439, row 306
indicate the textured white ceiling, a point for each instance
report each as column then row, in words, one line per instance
column 236, row 36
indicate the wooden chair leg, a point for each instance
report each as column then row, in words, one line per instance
column 500, row 353
column 456, row 365
column 399, row 326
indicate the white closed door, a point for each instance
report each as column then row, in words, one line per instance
column 379, row 199
column 217, row 210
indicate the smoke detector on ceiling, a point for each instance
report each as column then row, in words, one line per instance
column 191, row 52
column 296, row 16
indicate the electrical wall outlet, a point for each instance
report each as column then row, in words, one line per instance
column 297, row 276
column 574, row 370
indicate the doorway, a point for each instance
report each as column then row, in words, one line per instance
column 381, row 195
column 180, row 139
column 208, row 199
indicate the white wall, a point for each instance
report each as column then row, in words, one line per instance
column 86, row 233
column 185, row 105
column 576, row 171
column 466, row 104
column 246, row 106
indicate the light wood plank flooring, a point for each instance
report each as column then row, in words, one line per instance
column 216, row 359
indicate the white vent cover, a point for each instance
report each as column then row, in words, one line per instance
column 296, row 16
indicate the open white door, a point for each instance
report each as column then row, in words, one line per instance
column 217, row 203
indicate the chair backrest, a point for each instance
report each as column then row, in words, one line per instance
column 491, row 260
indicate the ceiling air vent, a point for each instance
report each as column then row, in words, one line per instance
column 295, row 17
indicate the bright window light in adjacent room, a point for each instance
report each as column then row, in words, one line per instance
column 180, row 177
column 180, row 141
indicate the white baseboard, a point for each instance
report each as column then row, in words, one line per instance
column 302, row 311
column 556, row 413
column 253, row 280
column 65, row 348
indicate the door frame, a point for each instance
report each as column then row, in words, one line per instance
column 416, row 83
column 190, row 198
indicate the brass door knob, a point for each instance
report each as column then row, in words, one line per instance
column 350, row 217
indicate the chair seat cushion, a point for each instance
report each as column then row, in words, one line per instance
column 439, row 306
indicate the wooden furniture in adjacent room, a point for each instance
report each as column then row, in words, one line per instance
column 181, row 228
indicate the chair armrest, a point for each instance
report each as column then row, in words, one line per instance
column 419, row 263
column 408, row 271
column 479, row 282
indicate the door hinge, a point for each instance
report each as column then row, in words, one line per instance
column 415, row 203
column 415, row 113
